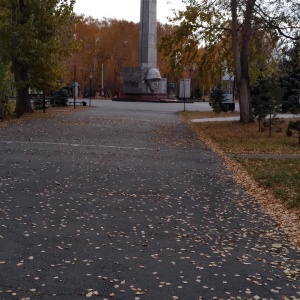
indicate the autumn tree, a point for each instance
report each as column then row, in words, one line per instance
column 236, row 24
column 81, row 64
column 174, row 65
column 108, row 42
column 35, row 35
column 118, row 49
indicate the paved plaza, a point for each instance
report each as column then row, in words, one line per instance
column 121, row 201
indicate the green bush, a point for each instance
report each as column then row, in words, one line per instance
column 60, row 98
column 293, row 125
column 217, row 98
column 266, row 99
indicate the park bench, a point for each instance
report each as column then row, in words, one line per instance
column 83, row 103
column 37, row 102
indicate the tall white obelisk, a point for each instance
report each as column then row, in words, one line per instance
column 148, row 34
column 144, row 82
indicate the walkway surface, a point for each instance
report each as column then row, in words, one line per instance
column 120, row 201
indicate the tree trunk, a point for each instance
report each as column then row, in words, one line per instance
column 241, row 58
column 246, row 114
column 23, row 104
column 20, row 71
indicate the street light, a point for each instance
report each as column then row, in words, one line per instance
column 91, row 77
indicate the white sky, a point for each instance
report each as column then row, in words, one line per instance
column 124, row 9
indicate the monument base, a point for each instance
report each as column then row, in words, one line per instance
column 160, row 97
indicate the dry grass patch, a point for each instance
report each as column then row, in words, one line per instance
column 234, row 137
column 39, row 114
column 189, row 115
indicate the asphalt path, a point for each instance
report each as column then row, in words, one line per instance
column 120, row 201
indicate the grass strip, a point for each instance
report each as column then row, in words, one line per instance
column 280, row 176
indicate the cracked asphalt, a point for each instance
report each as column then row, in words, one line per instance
column 121, row 201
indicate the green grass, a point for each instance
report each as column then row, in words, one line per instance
column 281, row 176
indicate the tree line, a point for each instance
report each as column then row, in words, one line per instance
column 105, row 47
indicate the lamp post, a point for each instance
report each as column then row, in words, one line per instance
column 102, row 80
column 91, row 77
column 74, row 87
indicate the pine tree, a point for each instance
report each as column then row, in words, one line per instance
column 266, row 97
column 216, row 99
column 291, row 82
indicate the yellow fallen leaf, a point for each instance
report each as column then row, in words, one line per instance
column 89, row 294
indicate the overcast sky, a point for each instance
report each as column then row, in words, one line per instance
column 124, row 9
